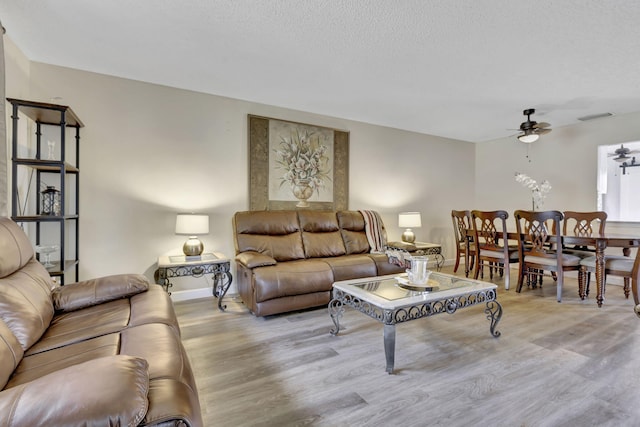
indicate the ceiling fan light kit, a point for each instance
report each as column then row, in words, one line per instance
column 528, row 137
column 531, row 130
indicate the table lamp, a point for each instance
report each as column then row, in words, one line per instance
column 409, row 220
column 192, row 225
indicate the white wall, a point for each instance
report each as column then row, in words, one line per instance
column 148, row 152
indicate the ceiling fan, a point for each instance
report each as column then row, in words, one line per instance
column 622, row 154
column 531, row 130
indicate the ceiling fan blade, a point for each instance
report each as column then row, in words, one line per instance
column 542, row 125
column 531, row 129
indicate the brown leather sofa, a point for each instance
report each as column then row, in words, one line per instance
column 99, row 352
column 288, row 260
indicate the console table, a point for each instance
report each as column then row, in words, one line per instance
column 208, row 263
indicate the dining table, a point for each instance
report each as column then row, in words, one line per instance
column 600, row 242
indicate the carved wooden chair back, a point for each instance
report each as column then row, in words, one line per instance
column 536, row 233
column 492, row 243
column 465, row 247
column 583, row 224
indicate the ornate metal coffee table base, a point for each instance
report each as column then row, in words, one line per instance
column 390, row 317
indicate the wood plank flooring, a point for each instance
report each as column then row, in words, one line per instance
column 555, row 364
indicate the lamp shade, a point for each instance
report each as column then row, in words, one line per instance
column 192, row 224
column 409, row 220
column 528, row 137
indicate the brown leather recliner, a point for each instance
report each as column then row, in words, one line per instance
column 98, row 352
column 288, row 260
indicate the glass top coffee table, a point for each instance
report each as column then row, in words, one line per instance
column 391, row 300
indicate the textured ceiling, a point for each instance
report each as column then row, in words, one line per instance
column 460, row 69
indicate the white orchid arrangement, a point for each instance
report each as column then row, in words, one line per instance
column 303, row 158
column 538, row 191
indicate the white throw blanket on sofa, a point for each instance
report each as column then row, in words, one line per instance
column 373, row 228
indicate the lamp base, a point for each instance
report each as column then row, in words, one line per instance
column 408, row 236
column 192, row 247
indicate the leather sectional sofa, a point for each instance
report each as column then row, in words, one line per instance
column 99, row 352
column 288, row 260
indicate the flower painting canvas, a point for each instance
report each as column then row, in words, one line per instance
column 300, row 163
column 296, row 165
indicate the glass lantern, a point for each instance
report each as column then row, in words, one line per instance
column 50, row 201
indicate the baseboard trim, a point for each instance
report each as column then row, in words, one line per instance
column 190, row 294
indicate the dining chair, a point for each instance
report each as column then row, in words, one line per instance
column 635, row 279
column 583, row 224
column 614, row 265
column 536, row 255
column 463, row 234
column 492, row 243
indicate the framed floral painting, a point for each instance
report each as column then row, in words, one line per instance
column 297, row 166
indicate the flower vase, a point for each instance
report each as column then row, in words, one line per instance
column 302, row 191
column 537, row 200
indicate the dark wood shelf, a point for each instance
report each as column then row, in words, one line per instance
column 47, row 165
column 43, row 218
column 45, row 113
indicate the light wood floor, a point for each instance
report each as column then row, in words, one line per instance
column 567, row 364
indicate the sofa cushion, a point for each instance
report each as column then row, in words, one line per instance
column 254, row 259
column 152, row 306
column 25, row 302
column 102, row 392
column 80, row 325
column 96, row 291
column 318, row 221
column 15, row 248
column 292, row 278
column 44, row 363
column 351, row 267
column 273, row 233
column 318, row 245
column 352, row 228
column 320, row 234
column 10, row 354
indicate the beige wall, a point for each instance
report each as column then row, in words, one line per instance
column 148, row 152
column 16, row 76
column 567, row 157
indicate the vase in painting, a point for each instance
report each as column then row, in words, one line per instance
column 302, row 191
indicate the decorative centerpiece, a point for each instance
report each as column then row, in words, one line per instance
column 303, row 159
column 538, row 191
column 46, row 251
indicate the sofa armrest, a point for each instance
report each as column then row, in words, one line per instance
column 251, row 259
column 106, row 391
column 96, row 291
